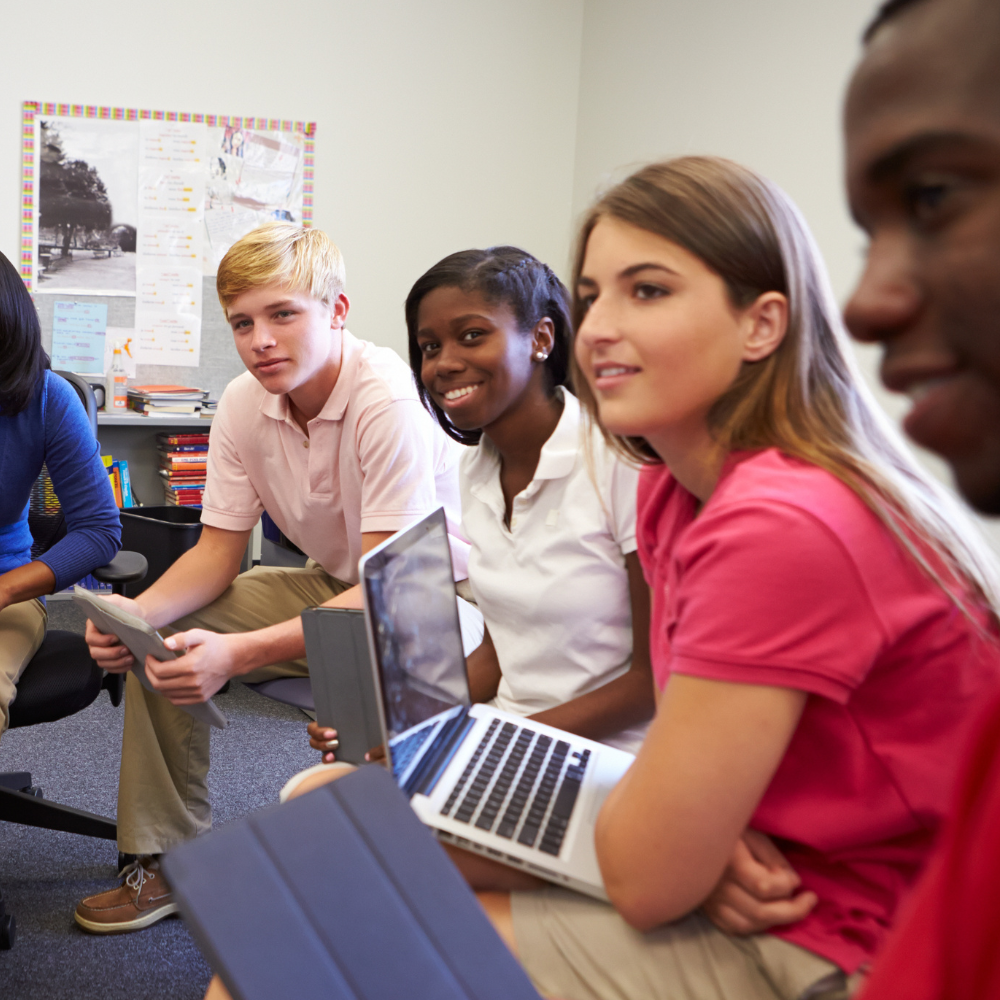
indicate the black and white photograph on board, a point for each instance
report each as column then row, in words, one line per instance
column 85, row 235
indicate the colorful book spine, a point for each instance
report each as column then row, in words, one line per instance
column 199, row 466
column 126, row 482
column 172, row 439
column 185, row 456
column 116, row 484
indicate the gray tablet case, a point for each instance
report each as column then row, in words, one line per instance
column 341, row 894
column 343, row 682
column 142, row 640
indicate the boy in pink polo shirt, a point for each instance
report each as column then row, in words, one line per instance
column 327, row 434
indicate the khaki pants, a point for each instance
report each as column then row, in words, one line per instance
column 22, row 628
column 577, row 948
column 163, row 785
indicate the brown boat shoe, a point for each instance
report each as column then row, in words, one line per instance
column 141, row 900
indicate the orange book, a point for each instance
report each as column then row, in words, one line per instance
column 178, row 466
column 163, row 388
column 116, row 486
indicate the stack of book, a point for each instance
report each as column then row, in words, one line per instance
column 183, row 461
column 166, row 400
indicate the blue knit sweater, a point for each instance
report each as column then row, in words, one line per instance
column 54, row 430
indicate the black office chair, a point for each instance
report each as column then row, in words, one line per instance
column 61, row 678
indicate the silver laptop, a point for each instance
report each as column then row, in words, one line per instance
column 500, row 785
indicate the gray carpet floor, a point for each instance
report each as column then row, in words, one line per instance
column 45, row 873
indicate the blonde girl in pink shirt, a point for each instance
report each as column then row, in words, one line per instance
column 823, row 620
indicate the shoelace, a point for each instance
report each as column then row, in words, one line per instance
column 135, row 877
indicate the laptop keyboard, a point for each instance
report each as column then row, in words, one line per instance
column 405, row 750
column 544, row 788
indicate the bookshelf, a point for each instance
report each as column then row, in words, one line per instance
column 138, row 420
column 133, row 437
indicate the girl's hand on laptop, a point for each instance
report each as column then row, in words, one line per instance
column 324, row 739
column 757, row 890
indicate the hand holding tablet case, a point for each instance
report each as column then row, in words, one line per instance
column 342, row 894
column 342, row 679
column 142, row 640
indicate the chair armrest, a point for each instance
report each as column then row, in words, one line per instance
column 126, row 567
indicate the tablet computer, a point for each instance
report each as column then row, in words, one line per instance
column 340, row 894
column 142, row 640
column 343, row 683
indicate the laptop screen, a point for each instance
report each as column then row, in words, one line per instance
column 410, row 593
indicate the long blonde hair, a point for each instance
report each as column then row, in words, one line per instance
column 807, row 398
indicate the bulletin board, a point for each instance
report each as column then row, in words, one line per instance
column 127, row 212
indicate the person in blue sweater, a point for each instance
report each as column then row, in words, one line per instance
column 41, row 422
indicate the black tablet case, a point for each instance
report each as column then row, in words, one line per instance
column 342, row 679
column 342, row 894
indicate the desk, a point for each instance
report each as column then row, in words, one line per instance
column 133, row 437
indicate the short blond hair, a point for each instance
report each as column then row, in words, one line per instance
column 305, row 260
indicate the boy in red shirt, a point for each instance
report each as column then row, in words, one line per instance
column 923, row 154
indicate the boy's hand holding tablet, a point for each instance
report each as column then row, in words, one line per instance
column 156, row 663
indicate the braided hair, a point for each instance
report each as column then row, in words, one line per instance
column 505, row 275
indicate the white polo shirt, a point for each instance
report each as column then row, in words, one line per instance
column 553, row 588
column 374, row 460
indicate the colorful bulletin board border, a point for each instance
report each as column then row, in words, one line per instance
column 30, row 109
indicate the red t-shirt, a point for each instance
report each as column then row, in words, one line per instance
column 947, row 944
column 787, row 578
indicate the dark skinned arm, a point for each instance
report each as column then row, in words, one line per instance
column 25, row 582
column 483, row 669
column 484, row 679
column 623, row 702
column 628, row 699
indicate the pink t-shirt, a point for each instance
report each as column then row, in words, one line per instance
column 786, row 578
column 374, row 460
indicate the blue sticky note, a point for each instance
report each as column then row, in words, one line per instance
column 78, row 330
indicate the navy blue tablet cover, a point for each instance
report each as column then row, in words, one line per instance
column 341, row 893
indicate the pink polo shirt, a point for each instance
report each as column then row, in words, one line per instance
column 374, row 460
column 786, row 578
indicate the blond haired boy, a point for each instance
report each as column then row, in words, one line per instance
column 327, row 434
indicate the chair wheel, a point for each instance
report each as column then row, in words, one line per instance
column 36, row 791
column 8, row 931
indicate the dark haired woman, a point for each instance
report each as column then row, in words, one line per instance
column 547, row 507
column 41, row 423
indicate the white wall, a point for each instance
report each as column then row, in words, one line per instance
column 760, row 82
column 442, row 124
